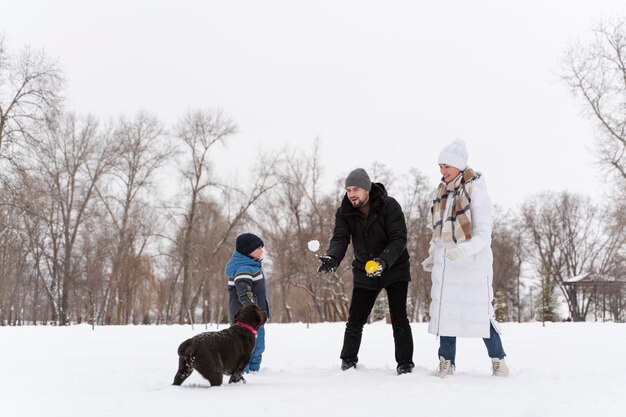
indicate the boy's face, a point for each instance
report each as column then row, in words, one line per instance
column 257, row 253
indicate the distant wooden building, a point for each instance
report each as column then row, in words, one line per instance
column 605, row 294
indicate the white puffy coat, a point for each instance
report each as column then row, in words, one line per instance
column 462, row 289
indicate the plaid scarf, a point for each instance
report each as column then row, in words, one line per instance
column 458, row 225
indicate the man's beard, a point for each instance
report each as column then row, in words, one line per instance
column 359, row 203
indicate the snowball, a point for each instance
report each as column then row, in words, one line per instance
column 314, row 245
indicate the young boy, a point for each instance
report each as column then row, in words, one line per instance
column 246, row 285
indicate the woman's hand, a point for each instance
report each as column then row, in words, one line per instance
column 453, row 254
column 428, row 264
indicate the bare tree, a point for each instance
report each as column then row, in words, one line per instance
column 570, row 236
column 508, row 256
column 68, row 163
column 417, row 204
column 30, row 86
column 595, row 70
column 16, row 284
column 30, row 95
column 142, row 151
column 199, row 132
column 293, row 214
column 381, row 173
column 210, row 253
column 542, row 225
column 234, row 209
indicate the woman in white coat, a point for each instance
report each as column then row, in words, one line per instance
column 460, row 259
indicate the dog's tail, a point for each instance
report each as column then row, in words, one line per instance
column 182, row 349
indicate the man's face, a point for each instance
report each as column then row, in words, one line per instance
column 357, row 196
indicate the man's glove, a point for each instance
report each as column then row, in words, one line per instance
column 375, row 268
column 428, row 264
column 453, row 254
column 328, row 264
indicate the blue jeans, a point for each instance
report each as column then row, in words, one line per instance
column 257, row 353
column 447, row 346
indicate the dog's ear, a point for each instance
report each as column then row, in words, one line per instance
column 262, row 317
column 236, row 318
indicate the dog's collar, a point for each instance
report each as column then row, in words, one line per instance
column 247, row 326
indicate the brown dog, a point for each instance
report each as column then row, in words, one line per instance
column 228, row 351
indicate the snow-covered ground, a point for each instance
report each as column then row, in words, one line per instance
column 563, row 369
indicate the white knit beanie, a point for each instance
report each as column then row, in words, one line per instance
column 454, row 154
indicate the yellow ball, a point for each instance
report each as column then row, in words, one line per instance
column 371, row 267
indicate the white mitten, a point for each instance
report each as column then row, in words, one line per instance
column 453, row 254
column 428, row 264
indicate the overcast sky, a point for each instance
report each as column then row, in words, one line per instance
column 387, row 81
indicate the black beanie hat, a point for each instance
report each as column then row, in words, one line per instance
column 359, row 178
column 247, row 243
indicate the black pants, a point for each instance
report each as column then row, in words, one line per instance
column 360, row 308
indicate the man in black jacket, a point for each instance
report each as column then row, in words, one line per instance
column 375, row 223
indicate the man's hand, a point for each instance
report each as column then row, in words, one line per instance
column 453, row 254
column 374, row 268
column 428, row 264
column 328, row 264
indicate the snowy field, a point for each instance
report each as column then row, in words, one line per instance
column 564, row 369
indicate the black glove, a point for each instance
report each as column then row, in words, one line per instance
column 328, row 264
column 378, row 272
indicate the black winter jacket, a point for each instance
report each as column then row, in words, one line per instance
column 381, row 235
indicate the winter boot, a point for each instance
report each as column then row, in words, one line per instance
column 445, row 367
column 405, row 367
column 347, row 364
column 499, row 367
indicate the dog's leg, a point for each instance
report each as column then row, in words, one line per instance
column 211, row 368
column 234, row 378
column 237, row 374
column 185, row 368
column 215, row 379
